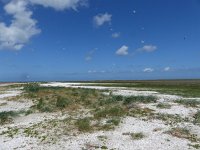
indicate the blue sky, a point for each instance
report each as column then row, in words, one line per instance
column 99, row 39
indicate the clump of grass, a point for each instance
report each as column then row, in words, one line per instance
column 140, row 112
column 32, row 87
column 102, row 137
column 118, row 98
column 104, row 147
column 189, row 103
column 196, row 146
column 163, row 106
column 115, row 111
column 114, row 121
column 140, row 99
column 111, row 100
column 83, row 125
column 169, row 118
column 62, row 102
column 135, row 136
column 42, row 106
column 183, row 133
column 197, row 118
column 5, row 117
column 11, row 132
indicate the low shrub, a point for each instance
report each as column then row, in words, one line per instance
column 114, row 121
column 140, row 99
column 164, row 106
column 137, row 136
column 62, row 102
column 197, row 118
column 83, row 125
column 115, row 111
column 32, row 87
column 189, row 103
column 6, row 116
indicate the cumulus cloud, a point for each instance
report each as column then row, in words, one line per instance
column 148, row 48
column 122, row 51
column 167, row 69
column 101, row 19
column 23, row 27
column 116, row 35
column 60, row 4
column 148, row 70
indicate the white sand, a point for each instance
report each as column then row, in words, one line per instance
column 154, row 140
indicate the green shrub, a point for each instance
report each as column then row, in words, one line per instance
column 141, row 99
column 189, row 103
column 137, row 136
column 32, row 87
column 115, row 111
column 83, row 125
column 197, row 117
column 62, row 102
column 114, row 121
column 118, row 98
column 6, row 116
column 141, row 112
column 183, row 133
column 164, row 106
column 42, row 106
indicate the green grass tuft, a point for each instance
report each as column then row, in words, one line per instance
column 83, row 125
column 189, row 103
column 140, row 99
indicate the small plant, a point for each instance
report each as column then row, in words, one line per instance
column 104, row 147
column 169, row 118
column 140, row 112
column 114, row 121
column 32, row 87
column 197, row 118
column 196, row 146
column 189, row 103
column 42, row 106
column 5, row 117
column 115, row 111
column 83, row 125
column 139, row 99
column 164, row 106
column 118, row 98
column 102, row 137
column 137, row 136
column 62, row 102
column 183, row 133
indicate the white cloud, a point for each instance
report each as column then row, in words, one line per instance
column 148, row 48
column 116, row 35
column 60, row 4
column 101, row 19
column 88, row 58
column 92, row 71
column 142, row 41
column 167, row 69
column 21, row 29
column 122, row 51
column 148, row 70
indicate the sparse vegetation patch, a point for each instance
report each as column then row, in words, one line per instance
column 189, row 103
column 164, row 106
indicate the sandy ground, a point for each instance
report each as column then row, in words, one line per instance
column 115, row 139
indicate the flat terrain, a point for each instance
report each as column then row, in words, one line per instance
column 139, row 115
